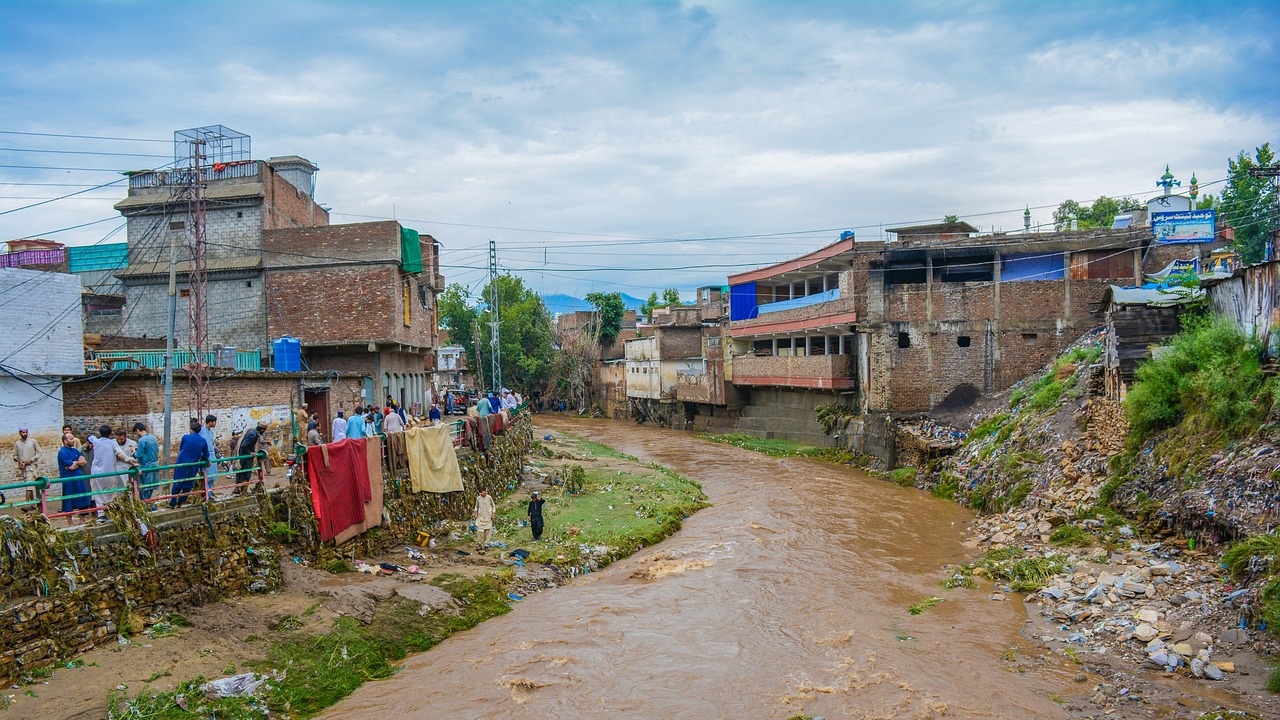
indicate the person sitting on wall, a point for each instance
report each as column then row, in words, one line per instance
column 434, row 414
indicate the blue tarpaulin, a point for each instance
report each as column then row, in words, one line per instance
column 742, row 301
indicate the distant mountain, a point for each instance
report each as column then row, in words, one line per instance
column 632, row 303
column 560, row 303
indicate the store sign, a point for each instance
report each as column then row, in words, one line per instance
column 1189, row 226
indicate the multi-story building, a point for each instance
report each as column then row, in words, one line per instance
column 933, row 319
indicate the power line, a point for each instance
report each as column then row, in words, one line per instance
column 80, row 152
column 82, row 137
column 46, row 167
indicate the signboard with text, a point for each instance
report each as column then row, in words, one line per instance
column 1188, row 226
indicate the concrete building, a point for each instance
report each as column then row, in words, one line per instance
column 41, row 342
column 656, row 360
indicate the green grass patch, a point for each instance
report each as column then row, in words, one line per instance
column 924, row 605
column 320, row 670
column 1072, row 536
column 598, row 450
column 947, row 487
column 1265, row 547
column 1046, row 396
column 1211, row 374
column 1024, row 574
column 774, row 447
column 619, row 511
column 1017, row 495
column 903, row 477
column 961, row 577
column 987, row 428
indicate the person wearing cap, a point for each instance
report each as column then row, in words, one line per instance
column 26, row 453
column 339, row 428
column 206, row 432
column 192, row 449
column 483, row 515
column 535, row 515
column 248, row 446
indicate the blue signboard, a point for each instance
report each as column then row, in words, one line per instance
column 1188, row 226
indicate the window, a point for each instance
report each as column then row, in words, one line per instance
column 184, row 292
column 904, row 340
column 1030, row 337
column 963, row 340
column 177, row 225
column 239, row 213
column 248, row 283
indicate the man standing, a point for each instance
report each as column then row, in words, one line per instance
column 393, row 423
column 356, row 425
column 26, row 453
column 374, row 419
column 484, row 512
column 148, row 456
column 313, row 433
column 206, row 432
column 484, row 407
column 300, row 424
column 104, row 462
column 71, row 465
column 339, row 428
column 191, row 449
column 448, row 403
column 125, row 448
column 248, row 446
column 535, row 515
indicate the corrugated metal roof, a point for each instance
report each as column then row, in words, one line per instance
column 88, row 258
column 210, row 265
column 1176, row 295
column 215, row 192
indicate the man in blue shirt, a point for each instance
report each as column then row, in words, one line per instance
column 356, row 426
column 206, row 432
column 192, row 449
column 148, row 456
column 483, row 407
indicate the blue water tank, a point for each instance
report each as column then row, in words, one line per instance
column 286, row 355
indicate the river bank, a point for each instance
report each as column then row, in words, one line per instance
column 327, row 632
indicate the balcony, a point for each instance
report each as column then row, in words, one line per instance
column 826, row 372
column 33, row 257
column 820, row 312
column 182, row 177
column 245, row 360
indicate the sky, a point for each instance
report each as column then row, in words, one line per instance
column 634, row 146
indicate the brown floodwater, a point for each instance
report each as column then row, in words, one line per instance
column 788, row 596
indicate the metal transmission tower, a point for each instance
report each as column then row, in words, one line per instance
column 193, row 152
column 495, row 349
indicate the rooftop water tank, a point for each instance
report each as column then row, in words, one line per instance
column 286, row 355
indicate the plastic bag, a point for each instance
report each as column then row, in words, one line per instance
column 242, row 685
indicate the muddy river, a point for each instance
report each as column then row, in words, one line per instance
column 788, row 596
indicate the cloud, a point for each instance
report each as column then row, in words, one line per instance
column 662, row 119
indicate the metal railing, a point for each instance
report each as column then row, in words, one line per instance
column 135, row 482
column 154, row 359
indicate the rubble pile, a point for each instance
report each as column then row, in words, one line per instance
column 924, row 441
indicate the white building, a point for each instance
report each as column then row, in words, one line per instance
column 41, row 341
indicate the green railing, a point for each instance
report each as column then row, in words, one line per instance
column 154, row 359
column 133, row 484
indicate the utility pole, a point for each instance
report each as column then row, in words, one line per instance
column 495, row 350
column 197, row 283
column 168, row 347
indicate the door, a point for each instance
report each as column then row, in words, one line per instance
column 318, row 402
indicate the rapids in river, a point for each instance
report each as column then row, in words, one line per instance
column 788, row 596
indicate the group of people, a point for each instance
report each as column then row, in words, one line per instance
column 94, row 471
column 362, row 422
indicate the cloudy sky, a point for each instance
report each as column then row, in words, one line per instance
column 603, row 143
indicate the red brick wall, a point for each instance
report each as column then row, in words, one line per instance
column 1158, row 256
column 334, row 244
column 1032, row 300
column 1022, row 352
column 962, row 301
column 905, row 303
column 287, row 206
column 337, row 304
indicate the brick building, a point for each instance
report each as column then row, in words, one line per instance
column 360, row 298
column 935, row 318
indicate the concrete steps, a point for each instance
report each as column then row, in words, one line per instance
column 811, row 438
column 782, row 411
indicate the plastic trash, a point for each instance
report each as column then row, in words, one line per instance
column 547, row 436
column 515, row 597
column 242, row 685
column 521, row 553
column 413, row 554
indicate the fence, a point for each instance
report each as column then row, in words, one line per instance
column 154, row 359
column 141, row 483
column 33, row 257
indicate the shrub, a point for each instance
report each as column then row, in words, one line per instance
column 903, row 477
column 1210, row 371
column 947, row 487
column 987, row 427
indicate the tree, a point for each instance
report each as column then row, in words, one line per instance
column 648, row 306
column 1247, row 203
column 609, row 312
column 573, row 370
column 951, row 219
column 457, row 315
column 1100, row 214
column 671, row 298
column 524, row 333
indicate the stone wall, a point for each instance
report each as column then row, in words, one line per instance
column 66, row 602
column 499, row 470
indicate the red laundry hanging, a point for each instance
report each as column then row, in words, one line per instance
column 339, row 477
